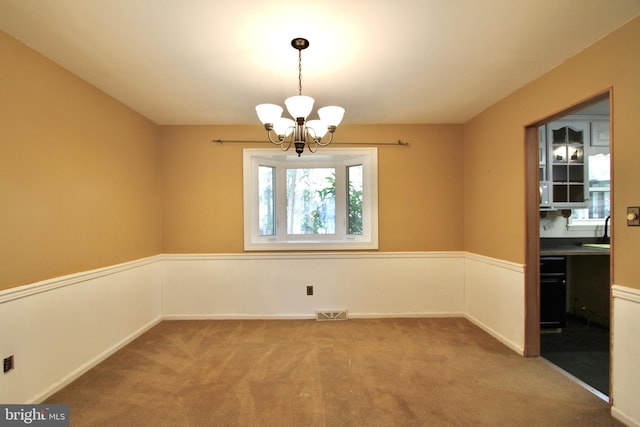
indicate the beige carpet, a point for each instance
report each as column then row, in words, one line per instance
column 383, row 372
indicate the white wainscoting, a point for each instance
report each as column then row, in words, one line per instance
column 274, row 285
column 626, row 355
column 59, row 328
column 494, row 298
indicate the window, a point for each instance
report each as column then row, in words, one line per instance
column 326, row 200
column 599, row 194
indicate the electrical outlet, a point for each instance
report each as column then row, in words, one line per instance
column 7, row 365
column 309, row 290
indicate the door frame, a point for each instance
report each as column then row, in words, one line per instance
column 532, row 218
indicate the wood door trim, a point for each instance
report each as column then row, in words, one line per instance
column 532, row 215
column 532, row 243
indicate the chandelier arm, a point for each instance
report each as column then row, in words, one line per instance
column 279, row 141
column 322, row 143
column 286, row 147
column 312, row 150
column 311, row 133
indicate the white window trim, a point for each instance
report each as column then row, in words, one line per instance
column 591, row 224
column 368, row 157
column 585, row 224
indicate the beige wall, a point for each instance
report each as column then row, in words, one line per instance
column 420, row 186
column 494, row 150
column 79, row 171
column 79, row 183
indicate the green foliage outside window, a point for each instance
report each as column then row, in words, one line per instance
column 354, row 206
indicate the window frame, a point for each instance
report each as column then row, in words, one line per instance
column 589, row 224
column 340, row 158
column 593, row 225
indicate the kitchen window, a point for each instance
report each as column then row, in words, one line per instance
column 326, row 200
column 599, row 195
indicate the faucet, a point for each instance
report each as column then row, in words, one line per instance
column 605, row 237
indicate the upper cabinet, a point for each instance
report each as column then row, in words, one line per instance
column 574, row 164
column 567, row 143
column 565, row 148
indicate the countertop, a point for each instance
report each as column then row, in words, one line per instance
column 570, row 247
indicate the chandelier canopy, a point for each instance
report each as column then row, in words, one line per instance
column 299, row 132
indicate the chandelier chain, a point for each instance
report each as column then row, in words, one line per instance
column 299, row 72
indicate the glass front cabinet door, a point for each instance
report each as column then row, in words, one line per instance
column 567, row 168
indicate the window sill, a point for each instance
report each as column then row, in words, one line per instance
column 308, row 245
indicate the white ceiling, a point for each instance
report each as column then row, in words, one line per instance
column 400, row 61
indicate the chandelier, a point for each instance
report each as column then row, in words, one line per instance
column 299, row 132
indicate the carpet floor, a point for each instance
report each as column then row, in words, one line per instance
column 378, row 372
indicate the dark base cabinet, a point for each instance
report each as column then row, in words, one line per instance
column 553, row 291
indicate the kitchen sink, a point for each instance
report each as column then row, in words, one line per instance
column 597, row 245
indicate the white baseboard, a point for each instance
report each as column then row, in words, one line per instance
column 424, row 315
column 54, row 388
column 623, row 418
column 305, row 316
column 497, row 335
column 238, row 317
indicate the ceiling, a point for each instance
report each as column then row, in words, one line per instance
column 402, row 61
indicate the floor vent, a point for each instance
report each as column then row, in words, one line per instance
column 332, row 315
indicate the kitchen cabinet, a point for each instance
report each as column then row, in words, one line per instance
column 553, row 292
column 545, row 193
column 574, row 278
column 589, row 288
column 565, row 168
column 542, row 153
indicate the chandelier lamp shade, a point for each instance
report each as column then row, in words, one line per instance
column 299, row 131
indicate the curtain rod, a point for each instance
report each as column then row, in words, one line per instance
column 399, row 142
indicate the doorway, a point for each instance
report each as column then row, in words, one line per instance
column 577, row 339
